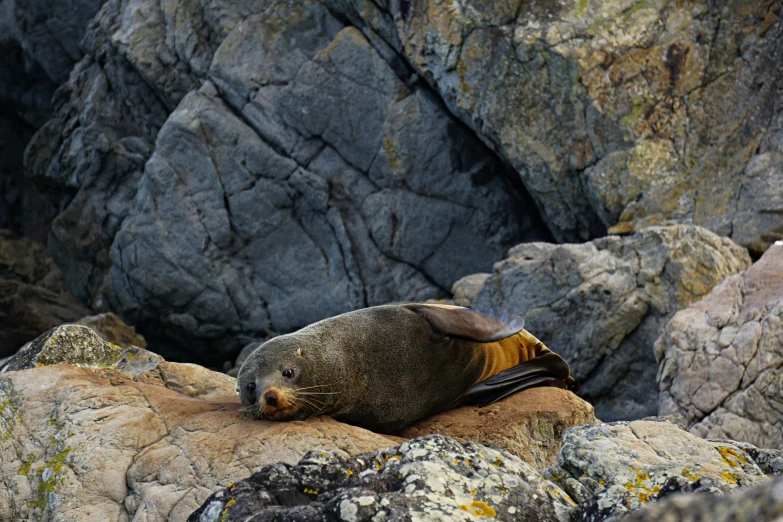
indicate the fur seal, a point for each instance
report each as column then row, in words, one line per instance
column 384, row 367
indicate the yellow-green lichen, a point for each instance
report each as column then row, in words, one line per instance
column 48, row 485
column 26, row 466
column 580, row 7
column 729, row 477
column 479, row 509
column 731, row 457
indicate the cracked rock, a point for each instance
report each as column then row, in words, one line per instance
column 632, row 464
column 602, row 304
column 614, row 114
column 293, row 204
column 719, row 359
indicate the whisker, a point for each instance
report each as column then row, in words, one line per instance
column 311, row 387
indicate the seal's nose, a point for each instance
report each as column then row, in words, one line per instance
column 270, row 398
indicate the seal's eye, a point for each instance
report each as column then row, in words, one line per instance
column 251, row 387
column 288, row 373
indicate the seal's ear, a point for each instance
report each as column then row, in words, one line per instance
column 468, row 324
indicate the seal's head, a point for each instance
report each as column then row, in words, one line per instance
column 275, row 382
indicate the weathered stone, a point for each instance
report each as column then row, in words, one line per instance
column 631, row 463
column 69, row 344
column 529, row 424
column 602, row 304
column 112, row 330
column 719, row 359
column 763, row 503
column 33, row 295
column 146, row 441
column 635, row 113
column 430, row 478
column 300, row 205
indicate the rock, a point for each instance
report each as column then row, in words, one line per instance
column 630, row 464
column 112, row 330
column 602, row 304
column 125, row 435
column 770, row 461
column 33, row 294
column 529, row 424
column 719, row 359
column 322, row 184
column 39, row 44
column 762, row 503
column 429, row 478
column 614, row 114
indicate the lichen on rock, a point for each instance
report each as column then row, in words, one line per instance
column 428, row 478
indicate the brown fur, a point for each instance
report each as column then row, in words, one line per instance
column 381, row 368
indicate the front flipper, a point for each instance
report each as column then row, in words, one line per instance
column 465, row 323
column 548, row 369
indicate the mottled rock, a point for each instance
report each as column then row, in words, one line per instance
column 763, row 503
column 629, row 113
column 719, row 359
column 602, row 304
column 33, row 294
column 529, row 424
column 135, row 437
column 430, row 478
column 113, row 330
column 626, row 465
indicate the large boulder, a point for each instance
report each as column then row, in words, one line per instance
column 720, row 359
column 529, row 424
column 33, row 294
column 119, row 434
column 613, row 112
column 602, row 304
column 612, row 469
column 431, row 478
column 313, row 174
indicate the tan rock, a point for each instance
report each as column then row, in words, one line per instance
column 529, row 424
column 81, row 444
column 113, row 330
column 719, row 360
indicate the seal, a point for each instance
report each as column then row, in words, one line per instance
column 385, row 367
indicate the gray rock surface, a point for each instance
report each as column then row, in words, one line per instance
column 762, row 503
column 602, row 304
column 616, row 468
column 39, row 45
column 293, row 204
column 719, row 359
column 430, row 478
column 634, row 113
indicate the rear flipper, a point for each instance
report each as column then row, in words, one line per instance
column 548, row 369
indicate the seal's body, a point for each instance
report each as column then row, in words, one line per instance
column 387, row 366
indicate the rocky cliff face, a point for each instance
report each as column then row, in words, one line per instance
column 224, row 172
